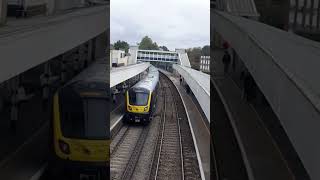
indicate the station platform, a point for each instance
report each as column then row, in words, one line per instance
column 199, row 83
column 262, row 157
column 117, row 113
column 121, row 74
column 199, row 126
column 24, row 153
column 285, row 67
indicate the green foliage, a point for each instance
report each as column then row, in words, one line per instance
column 206, row 50
column 164, row 48
column 194, row 57
column 194, row 52
column 121, row 45
column 147, row 44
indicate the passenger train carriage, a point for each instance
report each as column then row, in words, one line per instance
column 81, row 129
column 141, row 98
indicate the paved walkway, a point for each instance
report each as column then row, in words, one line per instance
column 117, row 109
column 258, row 148
column 199, row 125
column 267, row 118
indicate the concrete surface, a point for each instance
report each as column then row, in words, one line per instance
column 262, row 157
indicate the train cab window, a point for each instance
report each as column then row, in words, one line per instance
column 71, row 113
column 137, row 98
column 83, row 118
column 96, row 118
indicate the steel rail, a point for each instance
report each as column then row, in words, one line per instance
column 120, row 140
column 156, row 145
column 133, row 160
column 162, row 134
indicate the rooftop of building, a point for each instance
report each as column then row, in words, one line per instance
column 158, row 51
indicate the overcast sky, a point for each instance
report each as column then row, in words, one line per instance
column 173, row 23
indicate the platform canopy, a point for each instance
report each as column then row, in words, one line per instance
column 121, row 74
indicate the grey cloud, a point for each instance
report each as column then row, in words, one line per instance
column 175, row 24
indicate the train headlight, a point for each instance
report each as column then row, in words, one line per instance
column 130, row 108
column 64, row 147
column 146, row 108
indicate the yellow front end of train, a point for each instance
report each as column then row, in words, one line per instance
column 81, row 150
column 139, row 105
column 81, row 135
column 138, row 109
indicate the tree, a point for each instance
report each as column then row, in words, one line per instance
column 206, row 50
column 195, row 53
column 147, row 44
column 121, row 45
column 164, row 48
column 194, row 57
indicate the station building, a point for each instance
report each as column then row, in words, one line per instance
column 205, row 64
column 158, row 58
column 118, row 58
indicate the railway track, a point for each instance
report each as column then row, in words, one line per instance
column 172, row 153
column 169, row 162
column 125, row 149
column 175, row 156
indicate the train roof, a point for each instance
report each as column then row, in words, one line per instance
column 149, row 82
column 94, row 78
column 97, row 71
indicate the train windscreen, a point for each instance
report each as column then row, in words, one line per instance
column 84, row 118
column 137, row 98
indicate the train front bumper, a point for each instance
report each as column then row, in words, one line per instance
column 137, row 117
